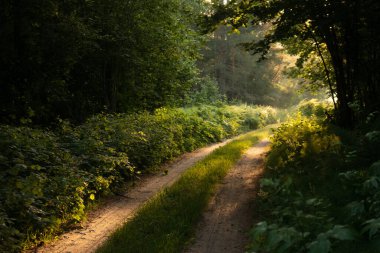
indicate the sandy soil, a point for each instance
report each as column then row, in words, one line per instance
column 229, row 216
column 117, row 210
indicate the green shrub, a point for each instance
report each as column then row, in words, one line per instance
column 319, row 194
column 314, row 107
column 302, row 140
column 32, row 165
column 205, row 92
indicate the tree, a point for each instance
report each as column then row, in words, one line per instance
column 74, row 58
column 243, row 77
column 39, row 43
column 346, row 29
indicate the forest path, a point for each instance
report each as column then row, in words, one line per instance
column 118, row 209
column 229, row 216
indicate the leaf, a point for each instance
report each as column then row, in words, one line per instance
column 372, row 183
column 92, row 196
column 375, row 169
column 373, row 136
column 17, row 169
column 372, row 226
column 275, row 237
column 266, row 182
column 321, row 245
column 355, row 208
column 342, row 233
column 260, row 229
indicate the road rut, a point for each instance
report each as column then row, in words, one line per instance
column 229, row 215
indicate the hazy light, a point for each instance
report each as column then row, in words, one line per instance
column 224, row 1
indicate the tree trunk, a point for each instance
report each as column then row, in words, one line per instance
column 345, row 114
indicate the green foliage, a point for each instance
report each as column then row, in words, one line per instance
column 206, row 91
column 314, row 107
column 50, row 178
column 332, row 39
column 76, row 58
column 297, row 140
column 319, row 194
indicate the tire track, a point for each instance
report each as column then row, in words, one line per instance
column 229, row 216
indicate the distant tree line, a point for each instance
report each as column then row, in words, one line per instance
column 243, row 77
column 73, row 58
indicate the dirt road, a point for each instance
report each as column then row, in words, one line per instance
column 117, row 210
column 228, row 218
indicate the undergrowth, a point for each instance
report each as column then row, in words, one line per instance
column 321, row 190
column 167, row 221
column 49, row 178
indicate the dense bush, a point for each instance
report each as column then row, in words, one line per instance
column 315, row 107
column 48, row 178
column 321, row 191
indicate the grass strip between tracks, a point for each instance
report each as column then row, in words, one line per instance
column 167, row 221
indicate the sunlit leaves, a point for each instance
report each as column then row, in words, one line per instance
column 339, row 33
column 334, row 200
column 371, row 227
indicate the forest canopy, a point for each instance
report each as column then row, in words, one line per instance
column 72, row 59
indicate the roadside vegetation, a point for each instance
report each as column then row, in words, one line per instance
column 50, row 178
column 321, row 189
column 167, row 221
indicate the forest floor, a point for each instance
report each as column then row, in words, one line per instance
column 229, row 216
column 117, row 210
